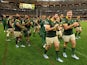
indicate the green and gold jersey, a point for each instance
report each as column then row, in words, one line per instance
column 27, row 23
column 17, row 28
column 4, row 21
column 42, row 28
column 50, row 33
column 8, row 23
column 69, row 22
column 78, row 20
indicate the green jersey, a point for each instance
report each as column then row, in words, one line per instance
column 8, row 23
column 16, row 27
column 4, row 21
column 69, row 22
column 27, row 23
column 42, row 29
column 50, row 33
column 78, row 20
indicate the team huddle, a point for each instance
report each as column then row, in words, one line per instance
column 50, row 28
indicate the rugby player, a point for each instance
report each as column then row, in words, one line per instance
column 78, row 28
column 18, row 28
column 59, row 29
column 51, row 38
column 10, row 29
column 4, row 19
column 42, row 30
column 27, row 23
column 68, row 35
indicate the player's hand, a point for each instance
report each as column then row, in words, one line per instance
column 75, row 24
column 56, row 26
column 24, row 28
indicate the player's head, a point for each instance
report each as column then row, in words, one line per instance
column 56, row 16
column 61, row 16
column 17, row 16
column 69, row 13
column 48, row 17
column 43, row 17
column 26, row 16
column 78, row 17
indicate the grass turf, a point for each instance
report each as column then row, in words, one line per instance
column 10, row 55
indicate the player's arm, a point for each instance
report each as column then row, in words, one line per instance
column 59, row 27
column 36, row 22
column 66, row 26
column 22, row 27
column 78, row 22
column 28, row 23
column 31, row 23
column 49, row 28
column 10, row 22
column 23, row 23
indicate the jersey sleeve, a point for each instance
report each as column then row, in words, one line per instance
column 64, row 21
column 46, row 22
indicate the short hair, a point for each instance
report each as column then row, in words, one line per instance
column 69, row 10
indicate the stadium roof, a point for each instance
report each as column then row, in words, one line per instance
column 38, row 0
column 50, row 0
column 61, row 0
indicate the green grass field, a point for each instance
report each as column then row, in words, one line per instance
column 10, row 55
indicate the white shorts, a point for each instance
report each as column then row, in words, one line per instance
column 51, row 40
column 78, row 28
column 10, row 30
column 59, row 33
column 17, row 33
column 67, row 38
